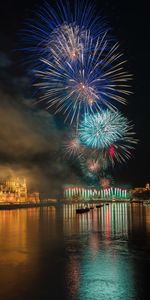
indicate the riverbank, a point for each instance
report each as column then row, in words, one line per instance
column 4, row 206
column 7, row 206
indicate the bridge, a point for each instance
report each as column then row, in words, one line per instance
column 88, row 193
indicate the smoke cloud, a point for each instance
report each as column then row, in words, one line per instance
column 30, row 138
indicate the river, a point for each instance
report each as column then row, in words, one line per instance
column 51, row 253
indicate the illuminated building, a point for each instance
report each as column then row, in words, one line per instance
column 14, row 190
column 88, row 193
column 141, row 189
column 33, row 197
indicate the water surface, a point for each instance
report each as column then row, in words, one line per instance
column 52, row 253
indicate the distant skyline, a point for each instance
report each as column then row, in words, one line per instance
column 28, row 135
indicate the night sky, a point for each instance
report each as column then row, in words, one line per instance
column 30, row 138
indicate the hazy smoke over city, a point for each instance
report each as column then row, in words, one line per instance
column 30, row 139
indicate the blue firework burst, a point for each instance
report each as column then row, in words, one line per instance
column 77, row 67
column 103, row 129
column 93, row 79
column 40, row 29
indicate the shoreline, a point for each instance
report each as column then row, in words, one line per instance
column 6, row 206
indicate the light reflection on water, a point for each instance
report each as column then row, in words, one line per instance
column 52, row 253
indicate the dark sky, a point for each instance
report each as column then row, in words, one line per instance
column 36, row 155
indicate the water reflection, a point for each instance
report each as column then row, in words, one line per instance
column 103, row 254
column 106, row 270
column 111, row 220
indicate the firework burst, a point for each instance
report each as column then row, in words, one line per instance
column 93, row 165
column 94, row 82
column 80, row 73
column 106, row 181
column 90, row 169
column 67, row 43
column 103, row 129
column 48, row 22
column 122, row 150
column 72, row 146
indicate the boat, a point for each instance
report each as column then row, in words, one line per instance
column 82, row 210
column 146, row 202
column 113, row 199
column 99, row 205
